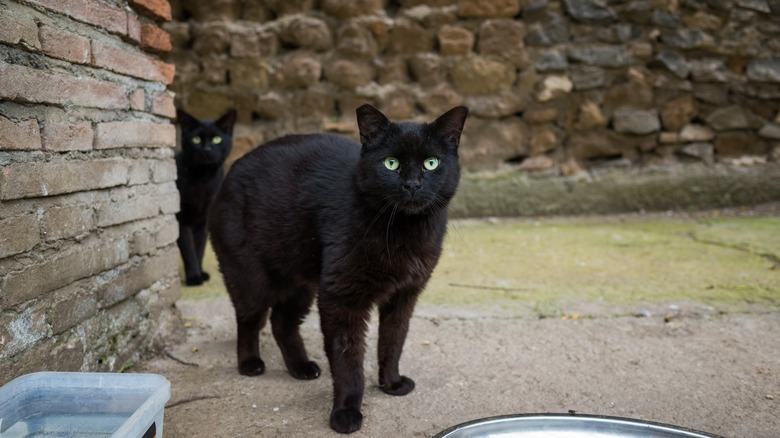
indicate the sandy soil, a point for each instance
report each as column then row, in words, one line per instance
column 677, row 363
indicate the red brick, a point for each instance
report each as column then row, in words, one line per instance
column 62, row 222
column 134, row 134
column 67, row 136
column 133, row 28
column 29, row 180
column 20, row 234
column 95, row 12
column 157, row 9
column 155, row 39
column 25, row 84
column 162, row 104
column 89, row 257
column 138, row 99
column 23, row 135
column 64, row 45
column 130, row 63
column 18, row 30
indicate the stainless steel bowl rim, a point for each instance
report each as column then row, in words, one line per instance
column 682, row 432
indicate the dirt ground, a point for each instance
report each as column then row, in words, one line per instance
column 713, row 367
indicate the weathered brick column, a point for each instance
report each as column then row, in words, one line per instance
column 88, row 258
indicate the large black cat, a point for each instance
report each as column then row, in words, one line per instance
column 355, row 225
column 204, row 147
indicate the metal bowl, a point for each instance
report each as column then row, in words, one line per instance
column 566, row 426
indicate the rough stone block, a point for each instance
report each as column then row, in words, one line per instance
column 131, row 63
column 23, row 135
column 29, row 180
column 67, row 136
column 455, row 40
column 428, row 70
column 498, row 141
column 19, row 30
column 488, row 8
column 94, row 12
column 678, row 112
column 211, row 39
column 65, row 45
column 250, row 73
column 478, row 75
column 345, row 9
column 134, row 134
column 20, row 234
column 602, row 56
column 18, row 83
column 307, row 33
column 407, row 37
column 63, row 222
column 764, row 69
column 349, row 74
column 503, row 37
column 637, row 122
column 357, row 41
column 300, row 71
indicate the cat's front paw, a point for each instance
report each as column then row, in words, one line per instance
column 346, row 420
column 205, row 276
column 401, row 387
column 305, row 371
column 252, row 367
column 194, row 281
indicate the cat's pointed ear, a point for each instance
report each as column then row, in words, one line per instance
column 371, row 122
column 185, row 119
column 450, row 125
column 227, row 121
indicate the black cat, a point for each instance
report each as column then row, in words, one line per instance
column 357, row 226
column 204, row 147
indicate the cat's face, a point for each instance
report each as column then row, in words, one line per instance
column 406, row 166
column 206, row 142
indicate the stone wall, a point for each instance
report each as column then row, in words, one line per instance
column 553, row 86
column 88, row 257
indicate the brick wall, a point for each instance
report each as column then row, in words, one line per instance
column 88, row 257
column 555, row 87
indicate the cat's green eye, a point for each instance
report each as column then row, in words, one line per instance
column 392, row 163
column 196, row 140
column 216, row 140
column 431, row 163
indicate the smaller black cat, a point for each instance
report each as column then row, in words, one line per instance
column 204, row 147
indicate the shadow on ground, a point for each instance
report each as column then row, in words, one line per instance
column 673, row 318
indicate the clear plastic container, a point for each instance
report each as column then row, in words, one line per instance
column 53, row 404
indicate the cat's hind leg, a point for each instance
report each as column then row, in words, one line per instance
column 286, row 318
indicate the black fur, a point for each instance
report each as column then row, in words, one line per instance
column 320, row 215
column 199, row 174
